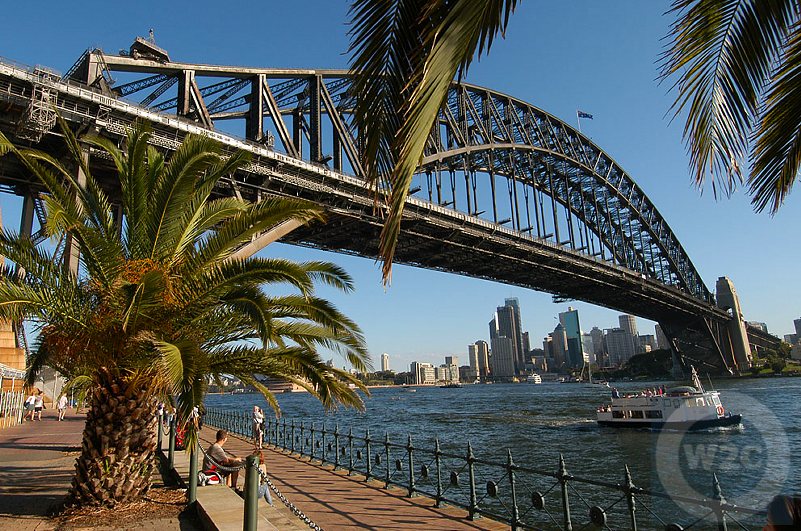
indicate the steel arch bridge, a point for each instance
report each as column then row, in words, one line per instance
column 505, row 191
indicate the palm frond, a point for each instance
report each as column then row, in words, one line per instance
column 405, row 56
column 778, row 143
column 723, row 53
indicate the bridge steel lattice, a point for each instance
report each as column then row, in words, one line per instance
column 505, row 192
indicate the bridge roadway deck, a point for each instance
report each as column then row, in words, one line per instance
column 336, row 501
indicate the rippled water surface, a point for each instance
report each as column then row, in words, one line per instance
column 753, row 462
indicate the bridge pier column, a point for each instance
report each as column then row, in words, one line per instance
column 727, row 299
column 26, row 219
column 254, row 123
column 71, row 252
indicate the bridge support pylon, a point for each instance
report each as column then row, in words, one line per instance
column 728, row 300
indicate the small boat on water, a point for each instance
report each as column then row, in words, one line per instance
column 684, row 407
column 534, row 378
column 452, row 385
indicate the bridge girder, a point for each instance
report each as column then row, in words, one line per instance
column 595, row 235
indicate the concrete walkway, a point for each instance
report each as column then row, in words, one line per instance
column 36, row 465
column 336, row 501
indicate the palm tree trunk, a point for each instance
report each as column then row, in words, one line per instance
column 117, row 455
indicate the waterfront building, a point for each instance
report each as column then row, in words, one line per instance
column 540, row 363
column 526, row 346
column 759, row 326
column 502, row 361
column 505, row 324
column 661, row 338
column 586, row 347
column 597, row 341
column 482, row 354
column 467, row 374
column 797, row 324
column 559, row 345
column 619, row 346
column 570, row 322
column 452, row 360
column 423, row 373
column 791, row 338
column 647, row 343
column 628, row 323
column 385, row 362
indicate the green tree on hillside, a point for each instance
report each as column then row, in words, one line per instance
column 160, row 306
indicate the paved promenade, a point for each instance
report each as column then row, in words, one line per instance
column 336, row 501
column 37, row 463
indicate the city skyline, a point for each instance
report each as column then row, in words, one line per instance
column 429, row 313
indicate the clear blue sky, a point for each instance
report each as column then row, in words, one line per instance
column 599, row 57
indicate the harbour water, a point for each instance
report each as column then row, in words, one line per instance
column 753, row 462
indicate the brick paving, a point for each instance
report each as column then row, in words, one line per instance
column 336, row 501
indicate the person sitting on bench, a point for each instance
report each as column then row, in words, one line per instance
column 216, row 457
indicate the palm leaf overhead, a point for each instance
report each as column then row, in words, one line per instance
column 405, row 54
column 741, row 109
column 159, row 307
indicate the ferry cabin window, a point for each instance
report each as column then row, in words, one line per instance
column 653, row 414
column 617, row 414
column 675, row 402
column 716, row 400
column 689, row 403
column 667, row 402
column 699, row 402
column 636, row 414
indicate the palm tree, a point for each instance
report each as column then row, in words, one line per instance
column 160, row 306
column 738, row 63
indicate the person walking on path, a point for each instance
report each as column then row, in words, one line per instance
column 38, row 405
column 258, row 427
column 62, row 406
column 30, row 403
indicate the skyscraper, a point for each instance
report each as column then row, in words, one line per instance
column 597, row 341
column 797, row 323
column 628, row 323
column 502, row 360
column 570, row 321
column 507, row 324
column 661, row 339
column 558, row 346
column 384, row 362
column 619, row 346
column 482, row 353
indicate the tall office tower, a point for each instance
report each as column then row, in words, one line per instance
column 559, row 346
column 482, row 352
column 507, row 324
column 797, row 324
column 570, row 321
column 385, row 362
column 619, row 346
column 586, row 348
column 597, row 341
column 526, row 346
column 629, row 323
column 472, row 357
column 452, row 360
column 502, row 361
column 661, row 339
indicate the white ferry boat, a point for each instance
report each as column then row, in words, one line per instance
column 685, row 407
column 534, row 378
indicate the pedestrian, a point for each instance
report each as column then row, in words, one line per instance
column 38, row 405
column 62, row 406
column 29, row 405
column 258, row 426
column 160, row 412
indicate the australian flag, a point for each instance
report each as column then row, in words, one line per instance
column 582, row 114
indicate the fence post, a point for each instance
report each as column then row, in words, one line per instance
column 292, row 434
column 718, row 495
column 438, row 462
column 192, row 495
column 322, row 444
column 563, row 476
column 386, row 448
column 350, row 451
column 471, row 472
column 313, row 445
column 269, row 431
column 160, row 435
column 367, row 442
column 284, row 444
column 251, row 492
column 302, row 439
column 510, row 466
column 171, row 451
column 629, row 487
column 336, row 446
column 410, row 451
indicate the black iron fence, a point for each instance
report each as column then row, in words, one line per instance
column 524, row 497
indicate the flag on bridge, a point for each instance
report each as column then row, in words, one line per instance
column 582, row 114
